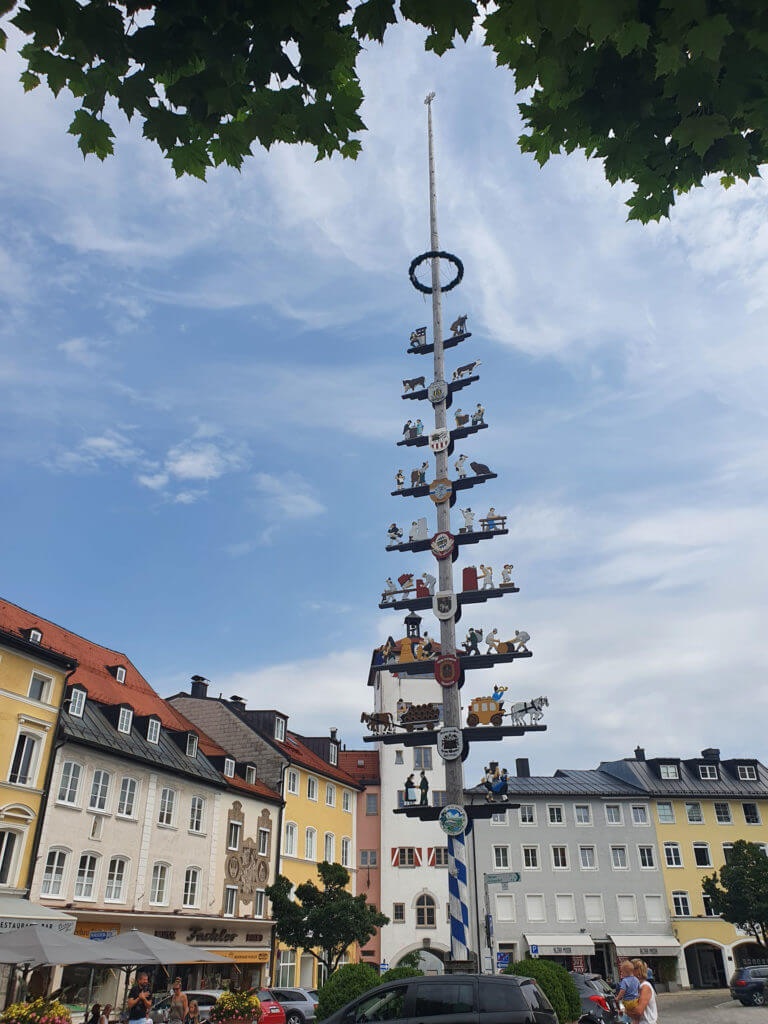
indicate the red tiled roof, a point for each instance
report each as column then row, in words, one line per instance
column 257, row 788
column 350, row 760
column 301, row 755
column 92, row 673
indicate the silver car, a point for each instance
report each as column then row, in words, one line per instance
column 298, row 1004
column 205, row 998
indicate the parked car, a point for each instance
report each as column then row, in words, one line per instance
column 298, row 1004
column 750, row 985
column 597, row 997
column 455, row 999
column 272, row 1011
column 205, row 999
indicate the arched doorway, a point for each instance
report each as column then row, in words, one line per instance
column 706, row 965
column 748, row 953
column 430, row 960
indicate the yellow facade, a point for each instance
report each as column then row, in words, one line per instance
column 31, row 690
column 313, row 812
column 699, row 847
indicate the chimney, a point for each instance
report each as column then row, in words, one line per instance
column 711, row 754
column 522, row 768
column 238, row 702
column 639, row 753
column 199, row 687
column 335, row 735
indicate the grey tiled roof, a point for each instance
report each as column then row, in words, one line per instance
column 645, row 774
column 590, row 782
column 95, row 730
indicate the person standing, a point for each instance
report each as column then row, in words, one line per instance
column 424, row 787
column 139, row 998
column 646, row 1011
column 104, row 1018
column 193, row 1014
column 177, row 1011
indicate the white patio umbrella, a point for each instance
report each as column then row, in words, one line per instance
column 149, row 949
column 38, row 946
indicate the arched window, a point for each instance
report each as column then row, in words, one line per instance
column 158, row 892
column 69, row 783
column 330, row 847
column 289, row 844
column 117, row 875
column 85, row 882
column 425, row 911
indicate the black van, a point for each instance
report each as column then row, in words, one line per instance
column 750, row 985
column 451, row 999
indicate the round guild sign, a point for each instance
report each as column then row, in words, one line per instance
column 453, row 820
column 450, row 743
column 440, row 490
column 437, row 392
column 447, row 669
column 441, row 545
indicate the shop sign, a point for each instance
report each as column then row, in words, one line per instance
column 578, row 964
column 649, row 951
column 96, row 930
column 244, row 956
column 212, row 935
column 14, row 924
column 254, row 937
column 562, row 950
column 166, row 933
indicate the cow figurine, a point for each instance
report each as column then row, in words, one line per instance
column 413, row 383
column 465, row 371
column 459, row 325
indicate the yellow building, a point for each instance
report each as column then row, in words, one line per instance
column 32, row 678
column 702, row 806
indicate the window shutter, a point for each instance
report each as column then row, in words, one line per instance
column 395, row 856
column 417, row 856
column 430, row 856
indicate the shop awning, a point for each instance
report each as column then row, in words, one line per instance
column 244, row 956
column 561, row 945
column 16, row 912
column 645, row 945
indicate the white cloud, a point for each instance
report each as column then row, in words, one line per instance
column 84, row 351
column 287, row 497
column 109, row 447
column 202, row 460
column 154, row 481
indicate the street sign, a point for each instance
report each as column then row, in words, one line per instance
column 534, row 950
column 503, row 876
column 502, row 961
column 383, row 966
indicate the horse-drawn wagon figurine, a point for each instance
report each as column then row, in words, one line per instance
column 378, row 722
column 419, row 716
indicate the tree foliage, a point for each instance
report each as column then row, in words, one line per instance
column 344, row 985
column 556, row 984
column 664, row 92
column 739, row 893
column 324, row 921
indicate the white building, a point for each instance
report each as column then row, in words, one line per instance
column 414, row 854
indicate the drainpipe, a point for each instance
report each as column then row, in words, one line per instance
column 278, row 840
column 58, row 742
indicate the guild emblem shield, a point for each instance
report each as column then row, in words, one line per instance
column 440, row 490
column 437, row 391
column 447, row 669
column 442, row 545
column 453, row 820
column 444, row 604
column 450, row 743
column 439, row 439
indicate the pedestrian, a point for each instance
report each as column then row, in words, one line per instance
column 629, row 987
column 177, row 1011
column 104, row 1018
column 646, row 1011
column 95, row 1014
column 193, row 1014
column 139, row 998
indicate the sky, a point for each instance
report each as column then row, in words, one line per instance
column 199, row 402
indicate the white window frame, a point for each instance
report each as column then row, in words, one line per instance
column 346, row 852
column 250, row 774
column 290, row 849
column 532, row 822
column 259, row 904
column 441, row 857
column 330, row 794
column 726, row 804
column 708, row 772
column 94, row 808
column 626, row 896
column 535, row 896
column 163, row 809
column 702, row 846
column 279, row 729
column 558, row 867
column 747, row 772
column 157, row 868
column 646, row 867
column 60, row 893
column 310, row 843
column 120, row 674
column 35, row 636
column 751, row 803
column 565, row 896
column 47, row 690
column 346, row 801
column 234, row 834
column 192, row 744
column 94, row 880
column 672, row 846
column 312, row 786
column 196, row 801
column 537, row 852
column 153, row 731
column 398, row 913
column 332, row 837
column 617, row 807
column 506, row 899
column 130, row 815
column 292, row 776
column 669, row 772
column 583, row 807
column 588, row 867
column 125, row 720
column 671, row 806
column 19, row 836
column 37, row 739
column 678, row 896
column 694, row 821
column 594, row 896
column 561, row 809
column 501, row 853
column 499, row 818
column 263, row 841
column 76, row 702
column 643, row 808
column 75, row 801
column 121, row 897
column 658, row 901
column 422, row 759
column 229, row 768
column 333, row 754
column 619, row 848
column 190, row 873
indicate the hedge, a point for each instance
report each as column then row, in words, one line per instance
column 396, row 973
column 556, row 984
column 344, row 985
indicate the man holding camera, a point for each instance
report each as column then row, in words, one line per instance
column 139, row 998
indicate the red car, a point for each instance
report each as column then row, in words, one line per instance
column 271, row 1011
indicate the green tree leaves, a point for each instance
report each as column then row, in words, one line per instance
column 664, row 93
column 740, row 894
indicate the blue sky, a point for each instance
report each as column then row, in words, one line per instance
column 199, row 399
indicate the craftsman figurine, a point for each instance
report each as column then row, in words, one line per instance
column 390, row 590
column 393, row 533
column 459, row 326
column 486, row 572
column 427, row 646
column 399, row 479
column 419, row 476
column 418, row 338
column 418, row 529
column 492, row 640
column 410, row 790
column 459, row 464
column 495, row 781
column 498, row 691
column 521, row 639
column 474, row 636
column 424, row 787
column 506, row 576
column 469, row 519
column 408, row 430
column 419, row 428
column 477, row 415
column 492, row 520
column 462, row 419
column 389, row 651
column 429, row 582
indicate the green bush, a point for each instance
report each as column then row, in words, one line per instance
column 401, row 971
column 344, row 985
column 556, row 984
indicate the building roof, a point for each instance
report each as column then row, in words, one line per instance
column 300, row 754
column 40, row 651
column 361, row 765
column 565, row 783
column 95, row 674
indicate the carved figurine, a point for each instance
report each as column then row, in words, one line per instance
column 408, row 431
column 506, row 576
column 496, row 782
column 399, row 479
column 406, row 582
column 493, row 521
column 477, row 415
column 418, row 338
column 485, row 711
column 498, row 692
column 419, row 476
column 430, row 582
column 479, row 468
column 534, row 709
column 379, row 721
column 459, row 325
column 419, row 428
column 424, row 787
column 462, row 419
column 419, row 529
column 492, row 640
column 412, row 384
column 417, row 716
column 469, row 519
column 389, row 651
column 467, row 370
column 423, row 649
column 486, row 572
column 394, row 534
column 389, row 591
column 473, row 638
column 521, row 639
column 410, row 790
column 459, row 464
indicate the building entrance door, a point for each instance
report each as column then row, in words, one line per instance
column 705, row 966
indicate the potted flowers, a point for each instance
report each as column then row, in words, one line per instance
column 38, row 1011
column 235, row 1008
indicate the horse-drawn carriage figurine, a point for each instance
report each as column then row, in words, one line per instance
column 487, row 710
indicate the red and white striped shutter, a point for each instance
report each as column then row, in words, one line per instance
column 430, row 856
column 417, row 856
column 395, row 856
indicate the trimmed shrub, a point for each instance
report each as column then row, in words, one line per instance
column 401, row 971
column 344, row 985
column 556, row 984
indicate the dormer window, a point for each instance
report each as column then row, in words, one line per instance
column 153, row 730
column 191, row 744
column 229, row 767
column 280, row 729
column 77, row 702
column 707, row 771
column 35, row 636
column 669, row 771
column 250, row 773
column 747, row 772
column 120, row 674
column 125, row 720
column 334, row 754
